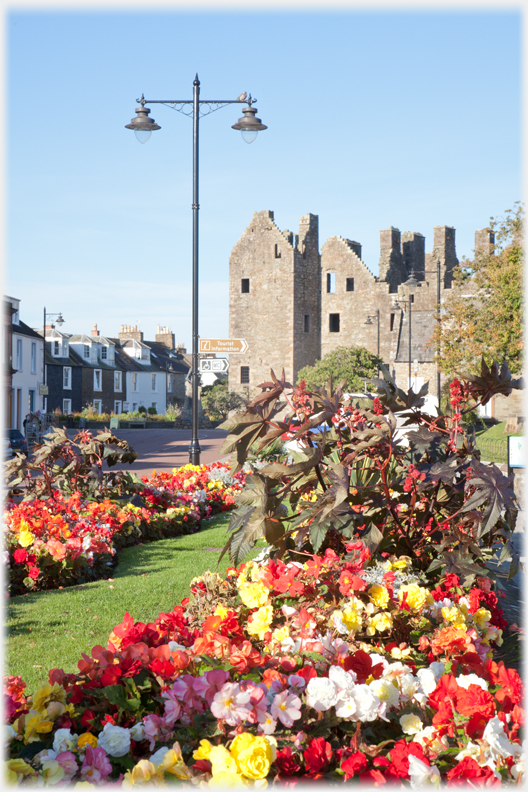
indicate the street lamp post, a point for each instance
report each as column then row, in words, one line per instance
column 369, row 321
column 143, row 126
column 60, row 321
column 411, row 284
column 430, row 272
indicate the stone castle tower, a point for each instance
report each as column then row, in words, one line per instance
column 294, row 304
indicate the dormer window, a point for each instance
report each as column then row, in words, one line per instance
column 86, row 351
column 104, row 353
column 65, row 348
column 56, row 348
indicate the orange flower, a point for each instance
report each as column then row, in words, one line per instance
column 449, row 640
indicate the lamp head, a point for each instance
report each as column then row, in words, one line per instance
column 142, row 125
column 411, row 283
column 59, row 320
column 249, row 124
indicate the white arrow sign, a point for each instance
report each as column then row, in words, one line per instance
column 215, row 365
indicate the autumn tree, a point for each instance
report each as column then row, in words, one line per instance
column 351, row 365
column 483, row 314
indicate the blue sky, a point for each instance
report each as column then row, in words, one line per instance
column 410, row 119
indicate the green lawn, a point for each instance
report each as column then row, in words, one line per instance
column 50, row 629
column 495, row 432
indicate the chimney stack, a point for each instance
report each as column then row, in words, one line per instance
column 95, row 331
column 128, row 332
column 166, row 337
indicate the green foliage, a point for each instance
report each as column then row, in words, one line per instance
column 348, row 365
column 65, row 465
column 218, row 402
column 483, row 315
column 173, row 412
column 426, row 496
column 152, row 411
column 142, row 409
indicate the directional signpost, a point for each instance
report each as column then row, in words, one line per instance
column 225, row 345
column 213, row 364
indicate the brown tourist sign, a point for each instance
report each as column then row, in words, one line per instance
column 226, row 345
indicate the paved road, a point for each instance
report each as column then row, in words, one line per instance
column 164, row 449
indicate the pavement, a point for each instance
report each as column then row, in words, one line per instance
column 164, row 449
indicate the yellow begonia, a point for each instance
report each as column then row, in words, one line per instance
column 84, row 785
column 20, row 768
column 25, row 538
column 492, row 634
column 173, row 763
column 52, row 772
column 203, row 751
column 378, row 595
column 87, row 739
column 401, row 563
column 416, row 596
column 380, row 622
column 45, row 693
column 226, row 780
column 260, row 621
column 252, row 754
column 454, row 615
column 253, row 595
column 411, row 724
column 221, row 611
column 481, row 618
column 36, row 724
column 351, row 619
column 281, row 633
column 221, row 760
column 143, row 773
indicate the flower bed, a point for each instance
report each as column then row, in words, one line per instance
column 326, row 669
column 61, row 540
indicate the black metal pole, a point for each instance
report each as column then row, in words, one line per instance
column 194, row 448
column 409, row 340
column 44, row 363
column 438, row 350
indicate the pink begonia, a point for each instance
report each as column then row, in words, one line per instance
column 152, row 724
column 172, row 707
column 231, row 704
column 296, row 681
column 258, row 701
column 287, row 708
column 68, row 762
column 185, row 691
column 266, row 724
column 96, row 766
column 208, row 685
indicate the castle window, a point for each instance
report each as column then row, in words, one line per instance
column 330, row 282
column 412, row 298
column 244, row 375
column 392, row 321
column 245, row 285
column 277, row 252
column 350, row 284
column 306, row 323
column 334, row 323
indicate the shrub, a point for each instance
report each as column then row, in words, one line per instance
column 218, row 402
column 142, row 409
column 426, row 495
column 152, row 411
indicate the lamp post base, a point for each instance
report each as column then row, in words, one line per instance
column 194, row 453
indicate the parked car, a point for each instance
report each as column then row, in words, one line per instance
column 17, row 440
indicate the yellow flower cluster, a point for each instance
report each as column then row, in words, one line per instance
column 417, row 597
column 248, row 759
column 253, row 595
column 146, row 772
column 47, row 704
column 378, row 595
column 259, row 621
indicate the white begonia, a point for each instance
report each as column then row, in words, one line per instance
column 411, row 724
column 427, row 680
column 321, row 694
column 395, row 670
column 338, row 623
column 368, row 705
column 9, row 734
column 408, row 685
column 343, row 680
column 173, row 646
column 45, row 755
column 346, row 707
column 64, row 740
column 465, row 680
column 114, row 740
column 386, row 691
column 288, row 645
column 376, row 658
column 158, row 757
column 288, row 610
column 499, row 744
column 137, row 732
column 438, row 669
column 519, row 768
column 421, row 774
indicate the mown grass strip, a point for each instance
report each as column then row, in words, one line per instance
column 50, row 629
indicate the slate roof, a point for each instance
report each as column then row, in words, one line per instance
column 422, row 327
column 22, row 329
column 72, row 360
column 166, row 359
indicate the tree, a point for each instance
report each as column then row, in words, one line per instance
column 351, row 365
column 217, row 402
column 483, row 316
